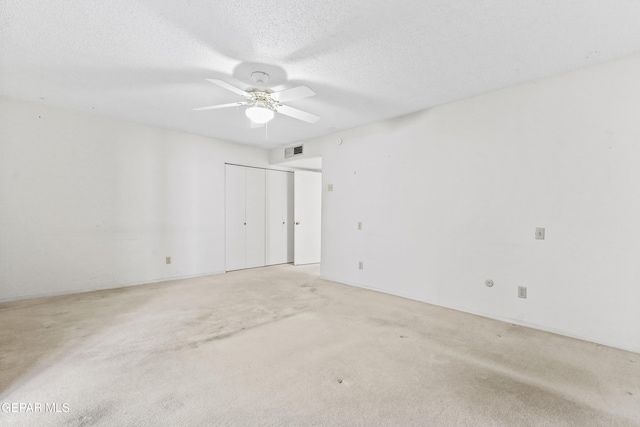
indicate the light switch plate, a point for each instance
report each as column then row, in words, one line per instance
column 329, row 187
column 539, row 233
column 359, row 226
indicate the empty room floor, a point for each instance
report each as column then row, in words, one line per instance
column 280, row 346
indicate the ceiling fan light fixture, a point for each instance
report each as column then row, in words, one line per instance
column 259, row 114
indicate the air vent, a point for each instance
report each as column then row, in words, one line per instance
column 293, row 151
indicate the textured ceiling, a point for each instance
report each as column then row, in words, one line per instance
column 147, row 61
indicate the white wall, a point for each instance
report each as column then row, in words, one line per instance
column 88, row 202
column 451, row 196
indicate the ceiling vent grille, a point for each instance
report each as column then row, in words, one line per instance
column 293, row 151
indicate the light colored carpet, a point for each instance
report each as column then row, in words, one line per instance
column 279, row 346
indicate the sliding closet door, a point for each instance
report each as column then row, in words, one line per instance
column 255, row 202
column 235, row 217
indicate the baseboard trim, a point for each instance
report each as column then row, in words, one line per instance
column 505, row 319
column 103, row 288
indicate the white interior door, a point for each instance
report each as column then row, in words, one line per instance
column 307, row 214
column 255, row 205
column 279, row 217
column 235, row 218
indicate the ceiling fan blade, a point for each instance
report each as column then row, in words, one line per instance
column 293, row 93
column 215, row 107
column 297, row 114
column 230, row 87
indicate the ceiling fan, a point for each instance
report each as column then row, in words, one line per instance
column 262, row 103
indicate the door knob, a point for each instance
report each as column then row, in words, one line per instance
column 297, row 222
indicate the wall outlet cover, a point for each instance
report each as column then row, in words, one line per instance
column 522, row 292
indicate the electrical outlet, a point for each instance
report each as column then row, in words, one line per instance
column 539, row 233
column 522, row 291
column 359, row 226
column 360, row 265
column 167, row 260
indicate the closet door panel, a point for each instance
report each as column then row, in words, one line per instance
column 276, row 225
column 235, row 217
column 255, row 205
column 288, row 218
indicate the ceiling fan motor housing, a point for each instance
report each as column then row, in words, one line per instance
column 260, row 77
column 262, row 99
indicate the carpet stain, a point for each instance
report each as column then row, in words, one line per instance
column 218, row 336
column 170, row 403
column 386, row 322
column 92, row 417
